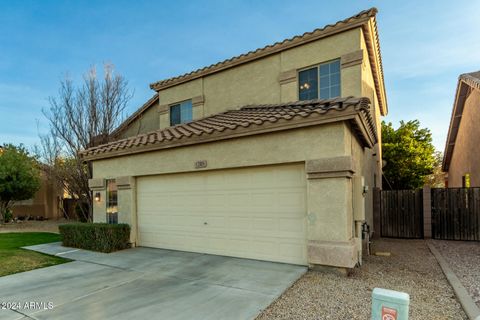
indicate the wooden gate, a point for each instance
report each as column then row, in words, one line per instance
column 456, row 214
column 401, row 213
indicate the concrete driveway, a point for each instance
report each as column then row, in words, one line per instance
column 145, row 283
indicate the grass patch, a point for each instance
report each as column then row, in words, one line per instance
column 14, row 259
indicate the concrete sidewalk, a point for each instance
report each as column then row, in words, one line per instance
column 146, row 283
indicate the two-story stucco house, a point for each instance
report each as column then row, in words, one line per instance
column 463, row 140
column 269, row 155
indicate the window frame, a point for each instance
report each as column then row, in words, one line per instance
column 317, row 66
column 111, row 217
column 170, row 106
column 317, row 79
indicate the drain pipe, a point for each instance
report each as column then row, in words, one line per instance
column 362, row 231
column 358, row 235
column 366, row 236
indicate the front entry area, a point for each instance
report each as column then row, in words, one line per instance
column 255, row 212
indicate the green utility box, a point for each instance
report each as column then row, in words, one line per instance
column 389, row 304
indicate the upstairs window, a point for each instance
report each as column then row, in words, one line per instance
column 320, row 82
column 181, row 113
column 308, row 80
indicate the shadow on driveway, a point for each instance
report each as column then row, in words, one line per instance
column 145, row 283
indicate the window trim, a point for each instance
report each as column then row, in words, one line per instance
column 170, row 105
column 317, row 65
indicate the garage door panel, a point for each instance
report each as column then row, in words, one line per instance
column 291, row 225
column 265, row 224
column 256, row 213
column 237, row 199
column 256, row 229
column 234, row 179
column 293, row 198
column 241, row 222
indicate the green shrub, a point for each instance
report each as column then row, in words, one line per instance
column 8, row 216
column 101, row 237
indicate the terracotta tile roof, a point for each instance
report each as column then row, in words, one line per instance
column 472, row 79
column 248, row 120
column 359, row 20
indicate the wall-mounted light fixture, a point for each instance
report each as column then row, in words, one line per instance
column 365, row 190
column 97, row 196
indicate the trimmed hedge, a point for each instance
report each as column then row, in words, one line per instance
column 101, row 237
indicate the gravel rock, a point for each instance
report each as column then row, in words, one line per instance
column 464, row 259
column 411, row 268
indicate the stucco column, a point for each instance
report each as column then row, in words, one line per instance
column 330, row 238
column 288, row 85
column 198, row 107
column 126, row 205
column 97, row 186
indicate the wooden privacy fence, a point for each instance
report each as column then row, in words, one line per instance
column 401, row 213
column 438, row 213
column 456, row 214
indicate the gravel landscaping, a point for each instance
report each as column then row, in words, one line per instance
column 463, row 257
column 410, row 268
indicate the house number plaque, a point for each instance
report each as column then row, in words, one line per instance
column 200, row 164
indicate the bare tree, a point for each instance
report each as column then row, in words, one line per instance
column 79, row 118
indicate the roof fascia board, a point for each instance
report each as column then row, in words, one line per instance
column 455, row 119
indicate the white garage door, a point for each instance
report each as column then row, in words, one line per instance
column 257, row 213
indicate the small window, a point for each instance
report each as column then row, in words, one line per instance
column 181, row 113
column 308, row 80
column 112, row 201
column 320, row 82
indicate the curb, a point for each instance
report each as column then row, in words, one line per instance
column 471, row 309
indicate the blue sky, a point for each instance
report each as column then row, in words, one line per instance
column 425, row 46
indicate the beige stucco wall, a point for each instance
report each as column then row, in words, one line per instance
column 281, row 147
column 330, row 214
column 100, row 206
column 147, row 122
column 467, row 147
column 45, row 203
column 373, row 157
column 364, row 168
column 252, row 83
column 258, row 82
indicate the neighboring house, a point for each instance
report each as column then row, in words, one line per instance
column 269, row 155
column 463, row 141
column 46, row 204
